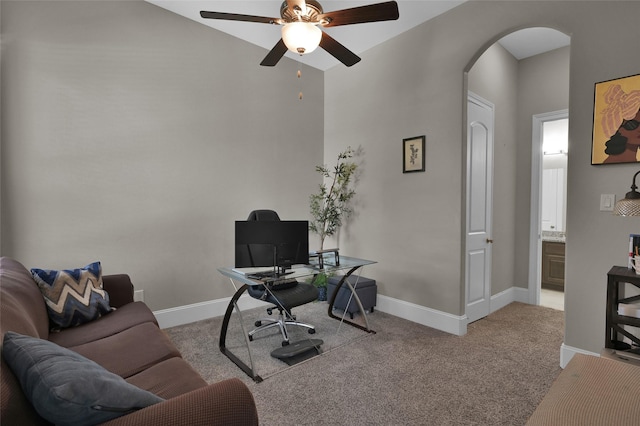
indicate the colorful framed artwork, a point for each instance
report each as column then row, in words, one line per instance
column 616, row 121
column 413, row 154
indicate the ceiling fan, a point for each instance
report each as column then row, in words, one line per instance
column 300, row 33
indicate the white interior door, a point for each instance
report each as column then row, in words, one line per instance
column 480, row 127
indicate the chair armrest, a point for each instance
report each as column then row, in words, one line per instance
column 120, row 289
column 225, row 403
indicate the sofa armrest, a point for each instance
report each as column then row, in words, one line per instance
column 225, row 403
column 120, row 289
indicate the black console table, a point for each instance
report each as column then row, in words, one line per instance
column 617, row 277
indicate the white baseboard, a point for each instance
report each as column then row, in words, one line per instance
column 567, row 352
column 200, row 311
column 513, row 294
column 454, row 324
column 410, row 311
column 443, row 321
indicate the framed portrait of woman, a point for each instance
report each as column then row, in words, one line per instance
column 616, row 121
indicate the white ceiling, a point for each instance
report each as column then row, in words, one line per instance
column 357, row 38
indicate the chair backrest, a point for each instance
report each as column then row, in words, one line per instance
column 263, row 215
column 259, row 251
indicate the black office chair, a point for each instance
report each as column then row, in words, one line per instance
column 284, row 294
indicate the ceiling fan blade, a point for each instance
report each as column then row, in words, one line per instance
column 387, row 11
column 239, row 17
column 275, row 54
column 338, row 51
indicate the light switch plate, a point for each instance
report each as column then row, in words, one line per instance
column 607, row 201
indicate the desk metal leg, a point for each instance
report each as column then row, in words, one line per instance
column 233, row 304
column 357, row 299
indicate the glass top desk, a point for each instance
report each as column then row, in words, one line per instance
column 332, row 265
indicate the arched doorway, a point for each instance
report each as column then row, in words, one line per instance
column 516, row 78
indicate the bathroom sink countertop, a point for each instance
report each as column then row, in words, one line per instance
column 553, row 236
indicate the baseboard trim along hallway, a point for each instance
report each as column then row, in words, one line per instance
column 443, row 321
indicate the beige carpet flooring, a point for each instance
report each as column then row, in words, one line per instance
column 405, row 374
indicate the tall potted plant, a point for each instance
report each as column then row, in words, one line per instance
column 332, row 203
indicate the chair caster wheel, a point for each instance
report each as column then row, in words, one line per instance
column 312, row 331
column 285, row 343
column 258, row 323
column 270, row 311
column 250, row 338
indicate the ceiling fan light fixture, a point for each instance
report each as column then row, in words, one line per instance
column 302, row 22
column 301, row 37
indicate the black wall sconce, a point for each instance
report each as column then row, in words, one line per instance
column 630, row 204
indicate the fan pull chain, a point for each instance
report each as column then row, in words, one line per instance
column 299, row 77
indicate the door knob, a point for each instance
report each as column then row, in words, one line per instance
column 489, row 241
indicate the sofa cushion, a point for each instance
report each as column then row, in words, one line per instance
column 168, row 378
column 73, row 296
column 114, row 322
column 131, row 351
column 67, row 389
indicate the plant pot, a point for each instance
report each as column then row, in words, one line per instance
column 322, row 294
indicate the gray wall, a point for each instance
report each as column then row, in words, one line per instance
column 125, row 139
column 413, row 85
column 136, row 137
column 495, row 77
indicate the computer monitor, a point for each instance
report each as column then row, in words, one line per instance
column 274, row 244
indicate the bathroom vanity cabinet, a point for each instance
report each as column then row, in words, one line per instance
column 553, row 265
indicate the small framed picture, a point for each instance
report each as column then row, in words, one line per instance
column 413, row 154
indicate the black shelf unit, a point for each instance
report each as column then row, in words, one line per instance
column 616, row 278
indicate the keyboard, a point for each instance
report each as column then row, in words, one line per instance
column 282, row 283
column 275, row 281
column 262, row 275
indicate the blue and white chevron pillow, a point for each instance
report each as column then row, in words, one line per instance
column 73, row 296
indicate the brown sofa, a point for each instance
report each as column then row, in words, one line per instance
column 127, row 342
